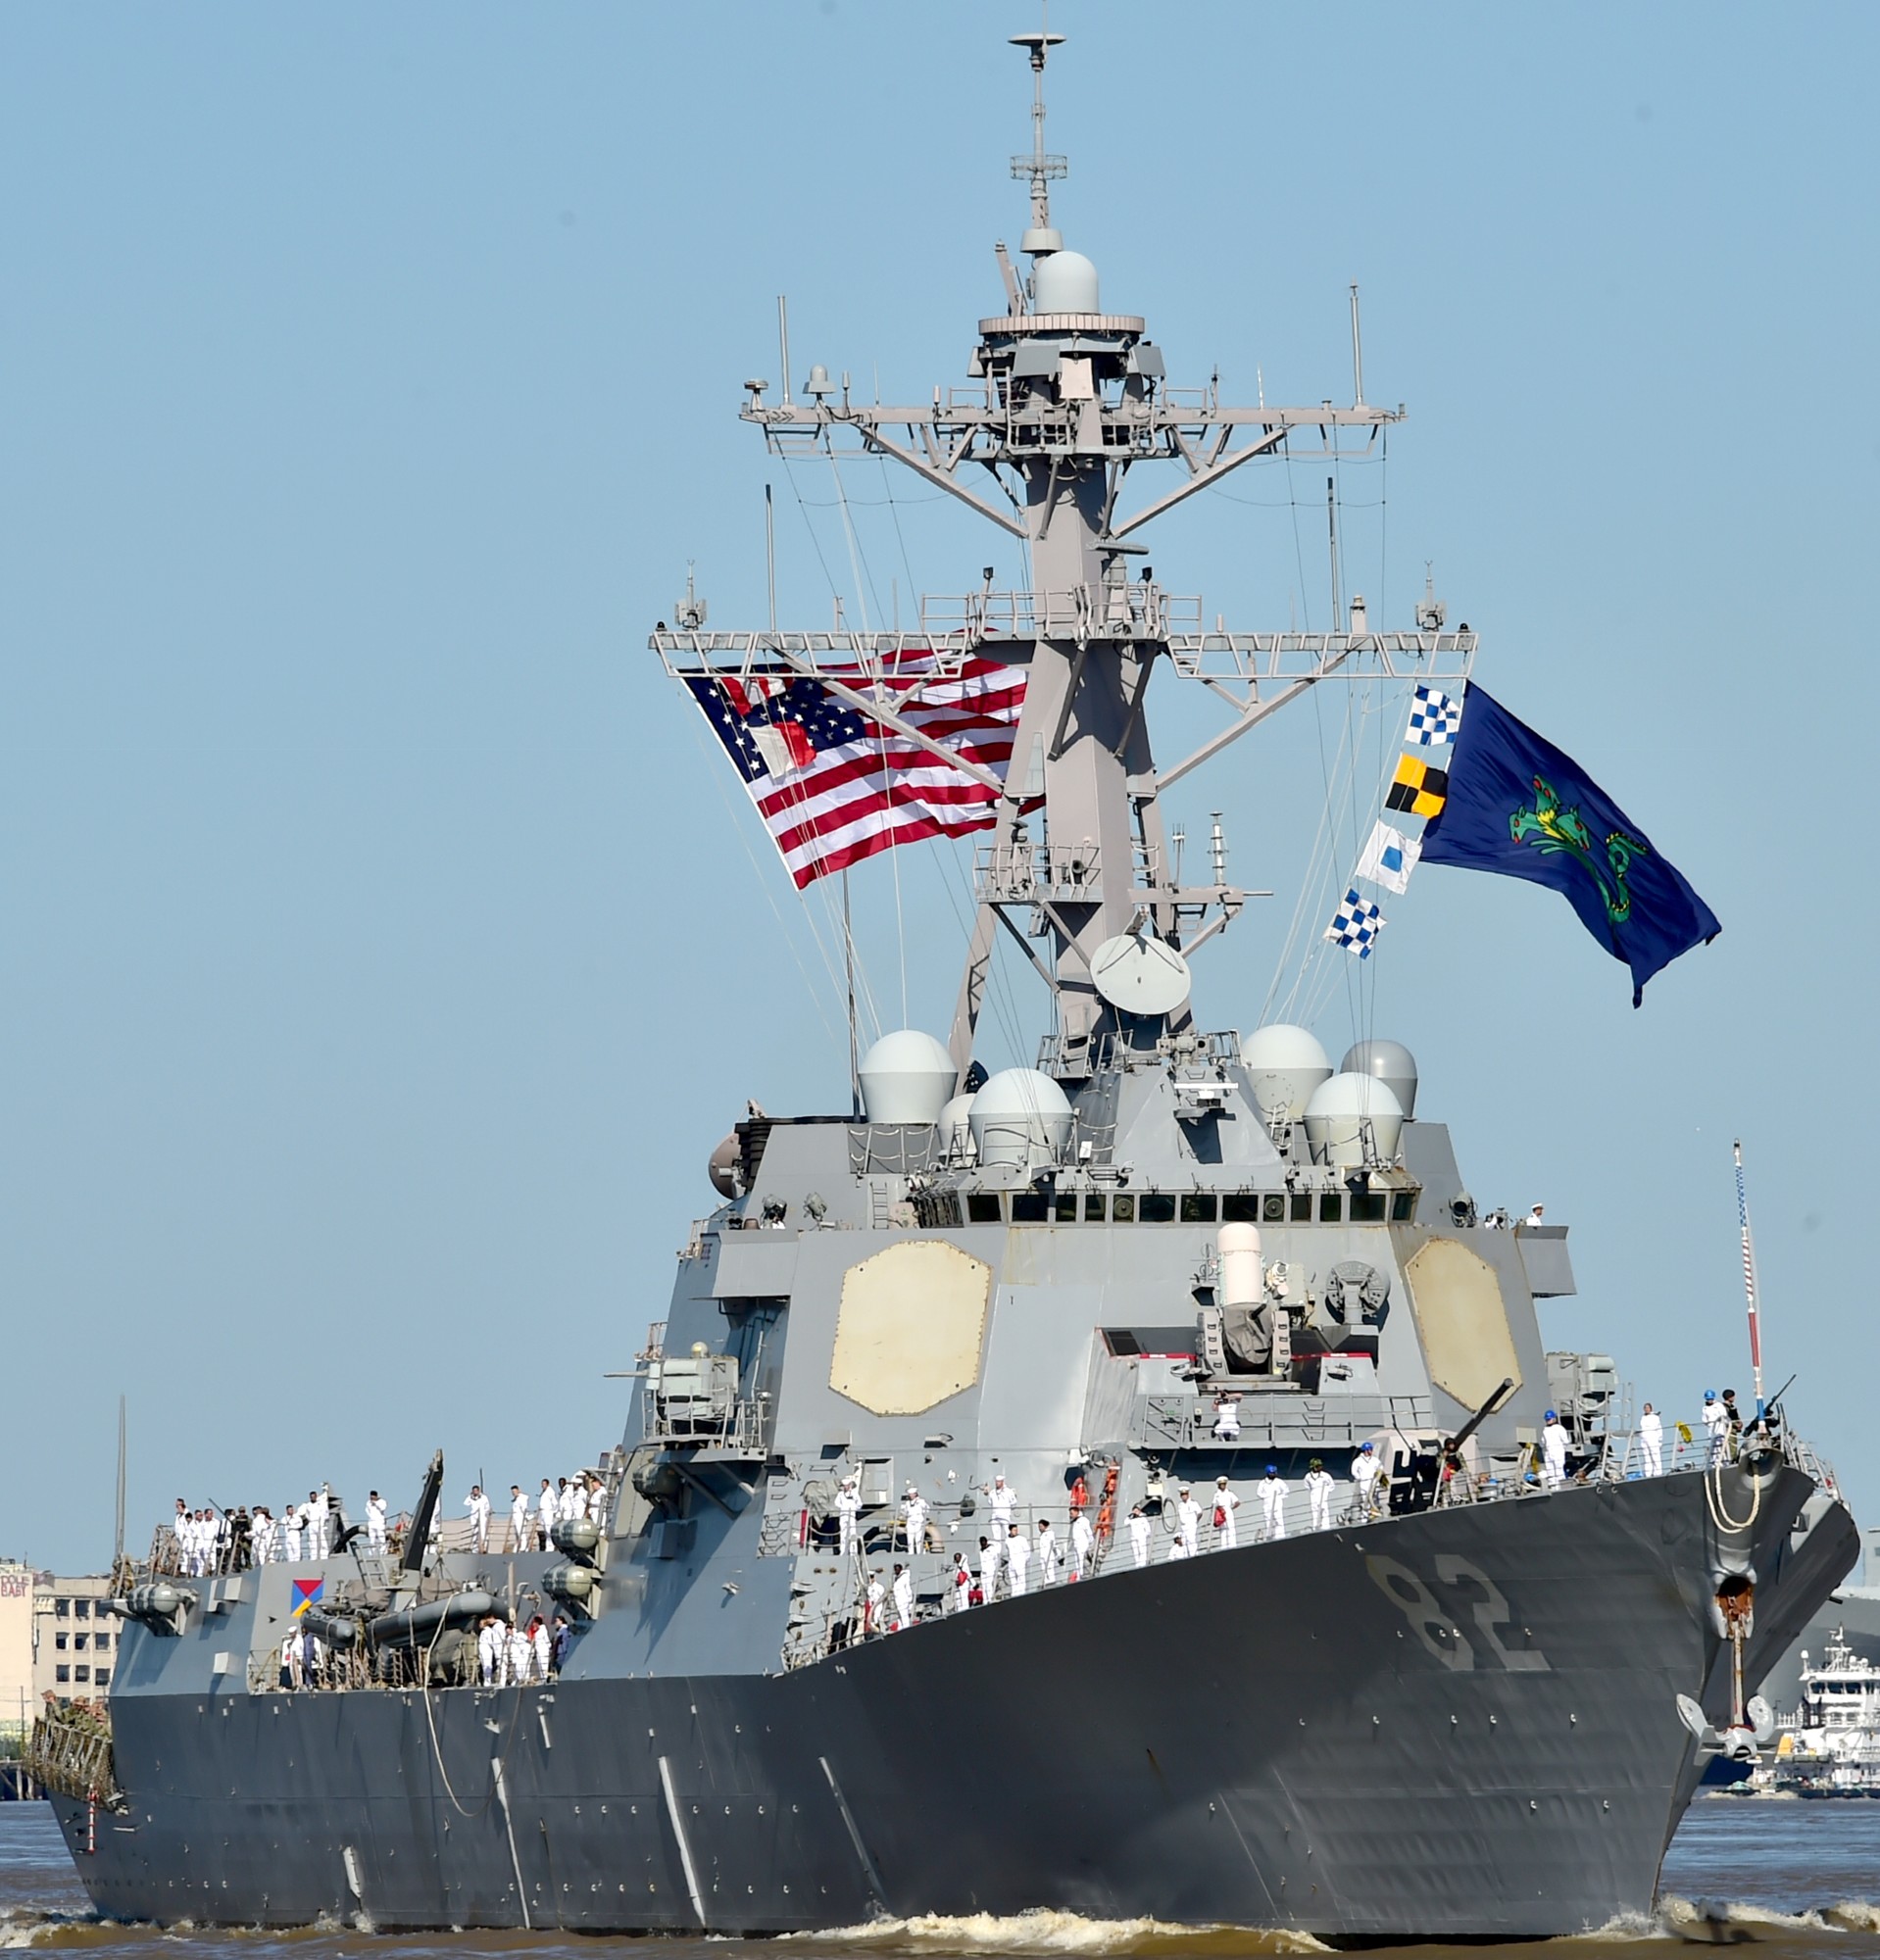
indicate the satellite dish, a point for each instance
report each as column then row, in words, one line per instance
column 1141, row 974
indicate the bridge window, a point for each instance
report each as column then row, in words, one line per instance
column 1368, row 1207
column 1157, row 1207
column 1093, row 1207
column 1403, row 1208
column 982, row 1208
column 1198, row 1208
column 1028, row 1208
column 1302, row 1208
column 1240, row 1207
column 1067, row 1208
column 1331, row 1206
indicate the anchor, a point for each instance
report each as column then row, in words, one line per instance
column 1751, row 1722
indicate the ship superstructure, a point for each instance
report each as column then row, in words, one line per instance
column 1083, row 1306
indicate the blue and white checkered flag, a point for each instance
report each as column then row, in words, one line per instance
column 1356, row 925
column 1434, row 718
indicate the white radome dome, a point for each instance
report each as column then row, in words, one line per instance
column 1285, row 1064
column 1020, row 1119
column 1064, row 283
column 906, row 1077
column 1340, row 1112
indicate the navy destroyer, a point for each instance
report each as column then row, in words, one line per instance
column 959, row 1420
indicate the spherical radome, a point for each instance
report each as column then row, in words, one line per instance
column 1340, row 1112
column 1390, row 1062
column 1064, row 283
column 906, row 1077
column 1020, row 1118
column 1285, row 1064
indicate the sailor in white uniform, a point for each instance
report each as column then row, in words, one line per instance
column 492, row 1649
column 1716, row 1420
column 542, row 1641
column 914, row 1519
column 1553, row 1453
column 1319, row 1485
column 261, row 1534
column 1051, row 1557
column 290, row 1532
column 314, row 1523
column 1139, row 1537
column 902, row 1591
column 477, row 1505
column 1017, row 1560
column 1225, row 1505
column 517, row 1519
column 1652, row 1440
column 872, row 1603
column 1003, row 1499
column 522, row 1656
column 959, row 1589
column 1364, row 1472
column 1272, row 1503
column 374, row 1523
column 545, row 1515
column 992, row 1561
column 1083, row 1546
column 847, row 1508
column 1188, row 1523
column 1227, row 1418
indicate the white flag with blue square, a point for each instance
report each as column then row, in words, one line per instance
column 1356, row 925
column 1388, row 857
column 1434, row 718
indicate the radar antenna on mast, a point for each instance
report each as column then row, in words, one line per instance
column 1039, row 167
column 1748, row 1281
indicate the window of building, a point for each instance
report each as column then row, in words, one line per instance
column 61, row 1672
column 81, row 1609
column 78, row 1640
column 61, row 1641
column 62, row 1609
column 81, row 1673
column 102, row 1679
column 101, row 1642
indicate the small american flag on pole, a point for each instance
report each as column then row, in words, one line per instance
column 833, row 785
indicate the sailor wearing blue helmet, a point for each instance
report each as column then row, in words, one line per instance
column 1554, row 1451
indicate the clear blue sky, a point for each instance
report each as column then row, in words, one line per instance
column 380, row 957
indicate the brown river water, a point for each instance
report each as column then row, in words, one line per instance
column 1788, row 1877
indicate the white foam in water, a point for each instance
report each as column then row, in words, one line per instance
column 1047, row 1932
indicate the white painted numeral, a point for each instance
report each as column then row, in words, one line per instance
column 1489, row 1611
column 1418, row 1604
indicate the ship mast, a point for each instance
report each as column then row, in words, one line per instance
column 1067, row 399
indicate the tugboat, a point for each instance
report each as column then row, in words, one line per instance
column 1282, row 1603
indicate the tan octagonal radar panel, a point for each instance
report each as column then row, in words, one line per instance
column 1456, row 1298
column 909, row 1328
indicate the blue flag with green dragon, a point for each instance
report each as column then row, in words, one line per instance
column 1518, row 806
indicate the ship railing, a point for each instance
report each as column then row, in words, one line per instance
column 894, row 1149
column 1141, row 611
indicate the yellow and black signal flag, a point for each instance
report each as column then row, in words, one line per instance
column 1417, row 786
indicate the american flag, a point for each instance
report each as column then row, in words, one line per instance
column 834, row 786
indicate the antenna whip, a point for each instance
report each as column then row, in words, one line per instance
column 1749, row 1279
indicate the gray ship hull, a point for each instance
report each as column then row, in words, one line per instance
column 1456, row 1724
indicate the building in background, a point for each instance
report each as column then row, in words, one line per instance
column 75, row 1641
column 18, row 1699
